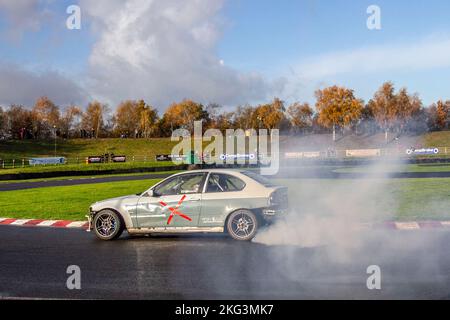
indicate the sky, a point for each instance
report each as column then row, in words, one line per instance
column 230, row 52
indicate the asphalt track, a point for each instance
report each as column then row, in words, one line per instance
column 33, row 263
column 285, row 173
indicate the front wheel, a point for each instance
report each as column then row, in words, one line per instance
column 242, row 225
column 108, row 225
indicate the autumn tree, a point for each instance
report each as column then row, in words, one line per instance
column 224, row 121
column 442, row 114
column 439, row 115
column 214, row 112
column 70, row 119
column 393, row 111
column 245, row 117
column 127, row 118
column 20, row 121
column 407, row 107
column 94, row 118
column 148, row 119
column 383, row 106
column 367, row 123
column 183, row 115
column 3, row 122
column 271, row 115
column 300, row 116
column 46, row 117
column 337, row 106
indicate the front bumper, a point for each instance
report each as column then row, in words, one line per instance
column 90, row 218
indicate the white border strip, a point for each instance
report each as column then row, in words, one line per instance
column 20, row 222
column 46, row 223
column 76, row 224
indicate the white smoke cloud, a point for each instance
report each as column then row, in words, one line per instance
column 164, row 51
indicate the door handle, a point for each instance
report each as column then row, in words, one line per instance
column 194, row 199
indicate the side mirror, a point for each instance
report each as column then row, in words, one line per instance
column 151, row 193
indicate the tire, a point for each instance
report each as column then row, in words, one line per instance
column 242, row 225
column 107, row 225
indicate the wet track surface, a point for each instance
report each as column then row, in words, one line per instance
column 285, row 173
column 33, row 263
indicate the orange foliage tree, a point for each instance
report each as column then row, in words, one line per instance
column 393, row 110
column 46, row 117
column 94, row 117
column 183, row 115
column 301, row 116
column 271, row 115
column 337, row 106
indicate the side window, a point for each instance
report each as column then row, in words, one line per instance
column 182, row 184
column 218, row 182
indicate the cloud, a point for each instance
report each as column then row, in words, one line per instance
column 21, row 16
column 21, row 86
column 164, row 51
column 428, row 53
column 386, row 61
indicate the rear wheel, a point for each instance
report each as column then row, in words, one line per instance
column 242, row 225
column 108, row 225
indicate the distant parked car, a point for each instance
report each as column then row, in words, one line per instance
column 232, row 201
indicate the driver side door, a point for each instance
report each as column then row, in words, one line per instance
column 176, row 202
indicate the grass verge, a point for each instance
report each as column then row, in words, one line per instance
column 89, row 177
column 66, row 203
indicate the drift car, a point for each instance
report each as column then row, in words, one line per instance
column 237, row 202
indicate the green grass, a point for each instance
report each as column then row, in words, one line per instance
column 398, row 199
column 436, row 139
column 71, row 203
column 82, row 148
column 99, row 167
column 87, row 177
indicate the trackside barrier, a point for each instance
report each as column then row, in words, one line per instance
column 292, row 155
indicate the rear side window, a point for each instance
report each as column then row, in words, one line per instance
column 219, row 182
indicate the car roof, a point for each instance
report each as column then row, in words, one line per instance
column 212, row 170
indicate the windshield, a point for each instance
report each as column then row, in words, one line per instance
column 258, row 178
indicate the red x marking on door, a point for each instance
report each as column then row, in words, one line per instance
column 175, row 211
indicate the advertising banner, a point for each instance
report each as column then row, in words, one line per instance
column 170, row 157
column 239, row 156
column 362, row 153
column 44, row 161
column 302, row 155
column 95, row 159
column 422, row 151
column 118, row 158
